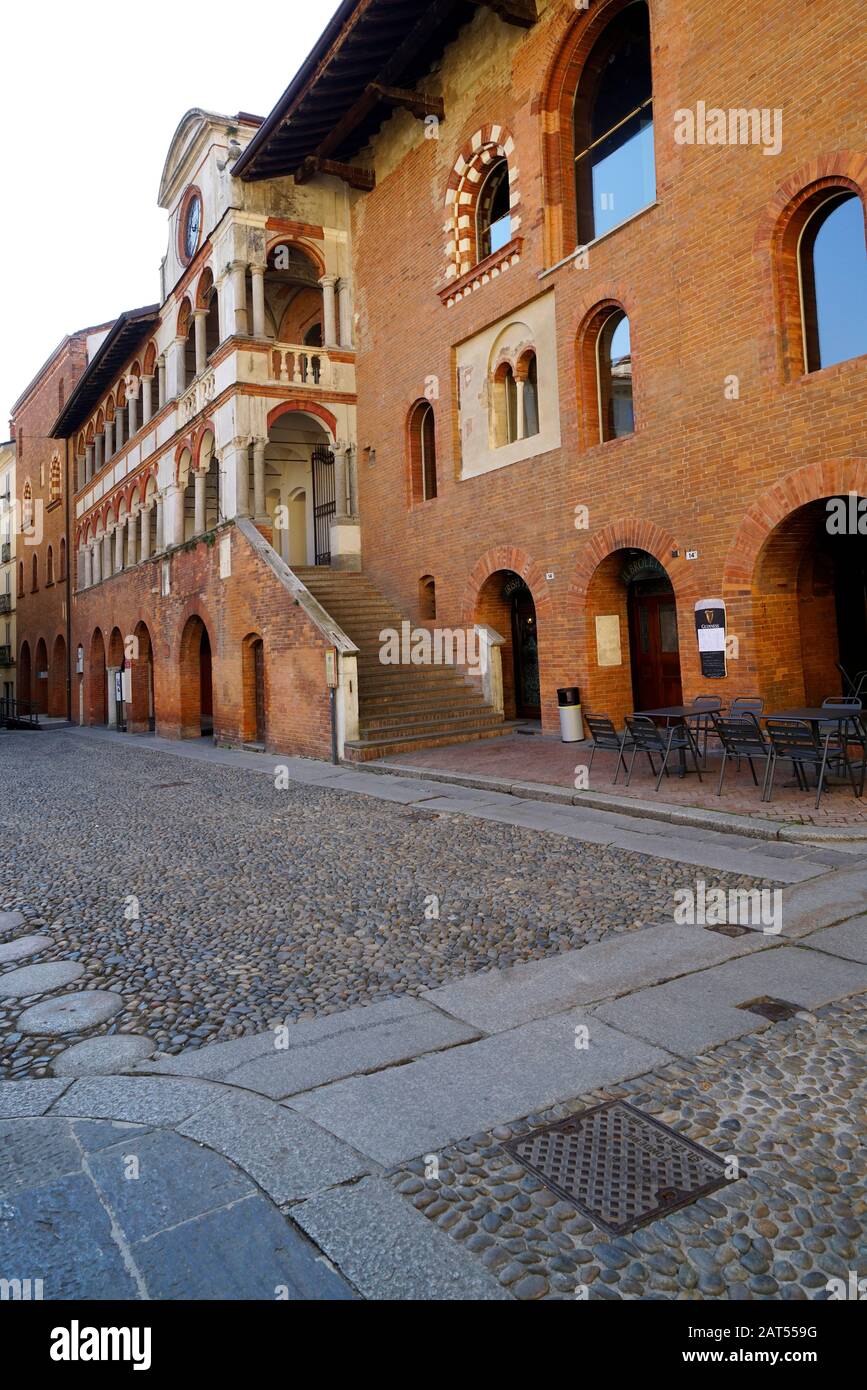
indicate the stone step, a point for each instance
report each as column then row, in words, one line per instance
column 433, row 720
column 369, row 749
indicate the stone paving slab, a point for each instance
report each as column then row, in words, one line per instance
column 824, row 901
column 34, row 1152
column 496, row 1000
column 344, row 1044
column 214, row 1060
column 260, row 1257
column 29, row 1097
column 144, row 1100
column 104, row 1055
column 61, row 1233
column 288, row 1156
column 395, row 1114
column 727, row 859
column 168, row 1188
column 20, row 947
column 10, row 921
column 849, row 939
column 388, row 1250
column 39, row 979
column 687, row 1016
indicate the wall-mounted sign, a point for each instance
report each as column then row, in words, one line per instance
column 710, row 628
column 608, row 651
column 118, row 686
column 642, row 567
column 515, row 585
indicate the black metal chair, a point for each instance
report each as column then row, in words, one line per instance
column 798, row 742
column 746, row 704
column 840, row 735
column 604, row 735
column 648, row 738
column 853, row 685
column 712, row 704
column 740, row 737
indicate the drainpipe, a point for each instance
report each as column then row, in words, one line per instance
column 70, row 476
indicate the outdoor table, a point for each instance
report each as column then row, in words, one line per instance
column 679, row 713
column 816, row 715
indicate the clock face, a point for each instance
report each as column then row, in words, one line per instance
column 192, row 227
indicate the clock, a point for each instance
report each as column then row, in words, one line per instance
column 191, row 226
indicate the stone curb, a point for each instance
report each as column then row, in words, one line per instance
column 694, row 816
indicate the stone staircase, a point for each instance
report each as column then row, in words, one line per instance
column 400, row 708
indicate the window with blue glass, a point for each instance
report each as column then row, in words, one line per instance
column 615, row 175
column 833, row 265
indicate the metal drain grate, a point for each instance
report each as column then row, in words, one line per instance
column 617, row 1166
column 728, row 929
column 774, row 1009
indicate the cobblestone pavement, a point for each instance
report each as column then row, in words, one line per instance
column 257, row 904
column 788, row 1103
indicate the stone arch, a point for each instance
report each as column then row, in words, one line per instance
column 307, row 408
column 97, row 695
column 141, row 712
column 488, row 143
column 254, row 689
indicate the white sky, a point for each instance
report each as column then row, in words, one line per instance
column 91, row 93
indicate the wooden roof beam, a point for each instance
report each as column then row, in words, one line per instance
column 365, row 179
column 520, row 12
column 417, row 102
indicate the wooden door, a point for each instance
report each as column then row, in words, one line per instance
column 654, row 651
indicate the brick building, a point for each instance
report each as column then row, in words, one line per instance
column 8, row 572
column 598, row 274
column 611, row 291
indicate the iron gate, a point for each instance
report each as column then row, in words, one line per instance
column 324, row 502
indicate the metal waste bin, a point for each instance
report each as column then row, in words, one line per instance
column 571, row 723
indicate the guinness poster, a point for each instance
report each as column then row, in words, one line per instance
column 710, row 627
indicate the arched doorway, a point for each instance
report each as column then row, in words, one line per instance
column 141, row 713
column 255, row 728
column 41, row 686
column 25, row 678
column 299, row 488
column 810, row 601
column 98, row 684
column 57, row 679
column 631, row 624
column 116, row 662
column 196, row 675
column 653, row 640
column 506, row 604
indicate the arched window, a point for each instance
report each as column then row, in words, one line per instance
column 528, row 396
column 27, row 506
column 427, row 598
column 613, row 126
column 55, row 476
column 20, row 578
column 493, row 214
column 505, row 406
column 49, row 567
column 423, row 452
column 832, row 259
column 614, row 376
column 34, row 581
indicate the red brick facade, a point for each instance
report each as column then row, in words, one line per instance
column 706, row 275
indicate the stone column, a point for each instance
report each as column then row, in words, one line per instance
column 147, row 399
column 99, row 456
column 339, row 484
column 161, row 380
column 119, row 421
column 199, row 524
column 520, row 393
column 88, row 462
column 241, row 456
column 118, row 546
column 87, row 555
column 109, row 439
column 161, row 543
column 200, row 317
column 176, row 373
column 96, row 562
column 80, row 470
column 107, row 570
column 329, row 307
column 132, row 557
column 238, row 271
column 145, row 544
column 259, row 446
column 132, row 409
column 258, row 274
column 345, row 307
column 178, row 509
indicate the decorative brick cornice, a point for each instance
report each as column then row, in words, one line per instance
column 489, row 269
